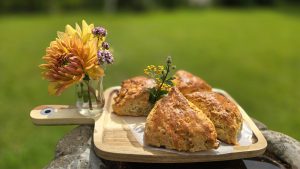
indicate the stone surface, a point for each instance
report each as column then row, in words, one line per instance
column 284, row 147
column 75, row 150
column 281, row 146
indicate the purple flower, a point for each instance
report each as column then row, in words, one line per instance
column 99, row 31
column 104, row 56
column 105, row 45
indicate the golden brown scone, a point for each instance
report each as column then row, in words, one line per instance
column 133, row 97
column 221, row 111
column 189, row 83
column 175, row 123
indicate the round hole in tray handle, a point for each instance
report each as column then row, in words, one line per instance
column 47, row 111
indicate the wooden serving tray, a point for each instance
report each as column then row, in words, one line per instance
column 114, row 140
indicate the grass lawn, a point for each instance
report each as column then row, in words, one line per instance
column 254, row 55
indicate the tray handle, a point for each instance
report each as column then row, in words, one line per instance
column 58, row 115
column 66, row 114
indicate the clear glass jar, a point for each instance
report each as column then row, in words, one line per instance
column 90, row 98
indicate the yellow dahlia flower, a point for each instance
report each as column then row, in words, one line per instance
column 72, row 57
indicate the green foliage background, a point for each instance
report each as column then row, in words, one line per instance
column 252, row 54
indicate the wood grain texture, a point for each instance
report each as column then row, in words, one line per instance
column 114, row 141
column 59, row 115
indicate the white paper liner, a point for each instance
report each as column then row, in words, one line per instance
column 137, row 126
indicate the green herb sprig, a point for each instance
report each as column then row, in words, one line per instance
column 163, row 78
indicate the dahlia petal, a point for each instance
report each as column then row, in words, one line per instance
column 85, row 27
column 61, row 73
column 59, row 77
column 74, row 64
column 60, row 89
column 44, row 66
column 71, row 70
column 61, row 35
column 86, row 32
column 52, row 88
column 87, row 67
column 63, row 86
column 70, row 30
column 76, row 59
column 70, row 56
column 78, row 30
column 95, row 72
column 91, row 26
column 68, row 75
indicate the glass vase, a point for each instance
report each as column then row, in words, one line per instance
column 90, row 98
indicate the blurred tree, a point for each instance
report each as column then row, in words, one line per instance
column 110, row 5
column 116, row 5
column 199, row 3
column 234, row 2
column 136, row 5
column 22, row 5
column 248, row 3
column 293, row 2
column 170, row 4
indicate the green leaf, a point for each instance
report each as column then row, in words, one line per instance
column 86, row 77
column 152, row 99
column 162, row 77
column 152, row 95
column 169, row 82
column 172, row 78
column 162, row 92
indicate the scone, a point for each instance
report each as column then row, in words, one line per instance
column 189, row 83
column 221, row 111
column 175, row 123
column 133, row 97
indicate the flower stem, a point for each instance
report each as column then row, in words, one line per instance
column 81, row 89
column 163, row 81
column 89, row 95
column 93, row 92
column 97, row 41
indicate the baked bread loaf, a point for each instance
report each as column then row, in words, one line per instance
column 133, row 97
column 221, row 111
column 175, row 123
column 189, row 83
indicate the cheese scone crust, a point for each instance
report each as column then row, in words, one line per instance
column 133, row 97
column 221, row 111
column 187, row 83
column 175, row 123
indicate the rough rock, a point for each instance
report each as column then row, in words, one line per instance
column 75, row 151
column 284, row 147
